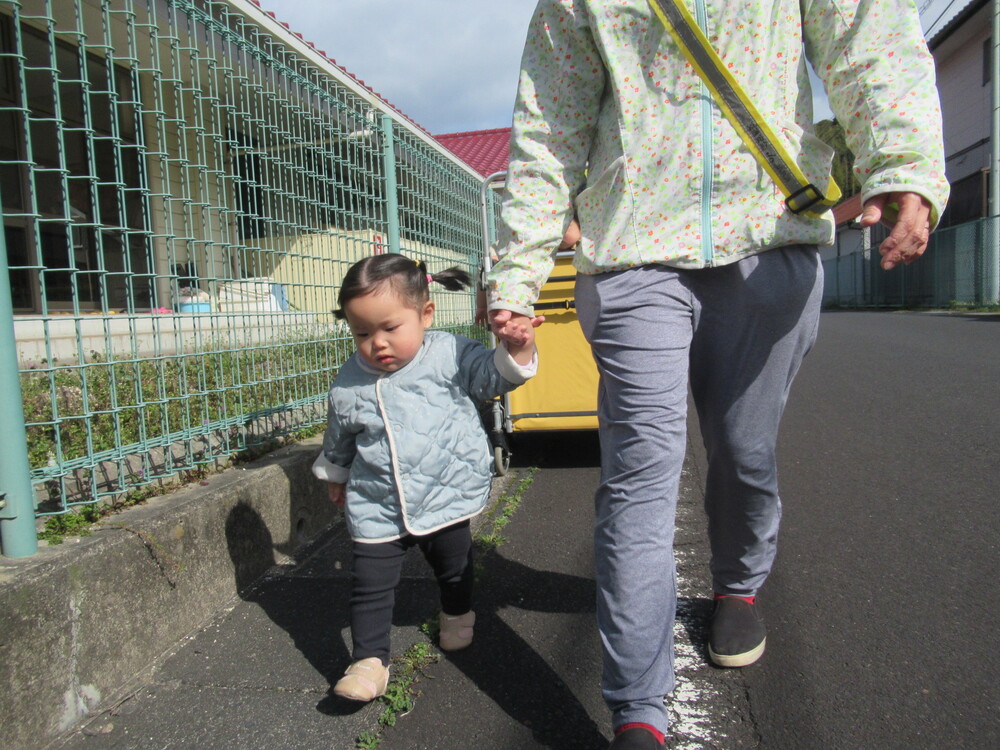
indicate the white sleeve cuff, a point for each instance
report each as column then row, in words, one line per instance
column 522, row 309
column 329, row 472
column 511, row 370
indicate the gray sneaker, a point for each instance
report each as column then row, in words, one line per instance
column 737, row 635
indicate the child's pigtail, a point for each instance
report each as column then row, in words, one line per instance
column 453, row 279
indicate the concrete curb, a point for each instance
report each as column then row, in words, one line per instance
column 79, row 621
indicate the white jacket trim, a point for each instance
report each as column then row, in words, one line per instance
column 511, row 370
column 328, row 471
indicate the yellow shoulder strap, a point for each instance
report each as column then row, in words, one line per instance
column 801, row 196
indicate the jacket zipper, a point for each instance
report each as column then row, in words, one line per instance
column 707, row 249
column 396, row 475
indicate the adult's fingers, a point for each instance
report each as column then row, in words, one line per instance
column 909, row 232
column 499, row 320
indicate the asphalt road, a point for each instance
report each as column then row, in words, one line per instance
column 532, row 677
column 882, row 609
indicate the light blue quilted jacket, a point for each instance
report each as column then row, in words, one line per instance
column 410, row 443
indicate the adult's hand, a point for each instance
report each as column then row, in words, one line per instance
column 480, row 316
column 572, row 236
column 910, row 232
column 513, row 327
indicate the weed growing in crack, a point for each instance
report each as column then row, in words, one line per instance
column 401, row 691
column 490, row 534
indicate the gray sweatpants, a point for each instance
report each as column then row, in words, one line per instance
column 738, row 334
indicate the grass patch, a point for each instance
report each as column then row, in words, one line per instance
column 77, row 521
column 964, row 307
column 73, row 523
column 115, row 432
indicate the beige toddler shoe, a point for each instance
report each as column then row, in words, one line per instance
column 364, row 680
column 456, row 630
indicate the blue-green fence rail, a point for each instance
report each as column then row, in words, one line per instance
column 183, row 184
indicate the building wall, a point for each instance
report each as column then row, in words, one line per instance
column 179, row 143
column 965, row 97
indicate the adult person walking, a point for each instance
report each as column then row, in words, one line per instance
column 692, row 269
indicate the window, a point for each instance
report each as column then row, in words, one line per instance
column 69, row 176
column 967, row 201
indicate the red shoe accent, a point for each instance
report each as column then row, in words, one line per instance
column 660, row 737
column 749, row 599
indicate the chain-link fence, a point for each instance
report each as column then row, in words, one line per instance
column 959, row 268
column 183, row 184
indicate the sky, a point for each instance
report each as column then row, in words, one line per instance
column 449, row 65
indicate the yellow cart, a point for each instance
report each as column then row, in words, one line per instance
column 563, row 395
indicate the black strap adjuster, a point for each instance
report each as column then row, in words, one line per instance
column 811, row 196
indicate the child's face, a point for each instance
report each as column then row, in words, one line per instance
column 387, row 332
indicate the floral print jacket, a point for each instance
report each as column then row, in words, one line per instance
column 613, row 125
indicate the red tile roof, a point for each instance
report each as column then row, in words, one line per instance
column 486, row 151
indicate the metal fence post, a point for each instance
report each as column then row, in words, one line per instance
column 902, row 286
column 17, row 508
column 391, row 196
column 836, row 265
column 993, row 249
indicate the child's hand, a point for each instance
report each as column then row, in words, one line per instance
column 481, row 317
column 337, row 492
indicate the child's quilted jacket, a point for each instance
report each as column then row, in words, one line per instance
column 410, row 444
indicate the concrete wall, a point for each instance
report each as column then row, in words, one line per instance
column 78, row 621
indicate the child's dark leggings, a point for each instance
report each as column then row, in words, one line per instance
column 375, row 573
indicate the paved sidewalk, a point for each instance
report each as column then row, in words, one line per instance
column 258, row 675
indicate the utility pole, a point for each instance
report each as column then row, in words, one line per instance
column 993, row 282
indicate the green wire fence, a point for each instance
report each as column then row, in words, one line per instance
column 958, row 269
column 183, row 184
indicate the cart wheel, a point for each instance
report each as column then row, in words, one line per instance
column 501, row 460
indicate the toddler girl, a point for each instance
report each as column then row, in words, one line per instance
column 405, row 452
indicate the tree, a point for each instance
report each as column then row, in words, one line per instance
column 843, row 161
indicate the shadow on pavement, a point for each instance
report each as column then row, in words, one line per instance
column 694, row 614
column 312, row 611
column 524, row 662
column 565, row 449
column 520, row 680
